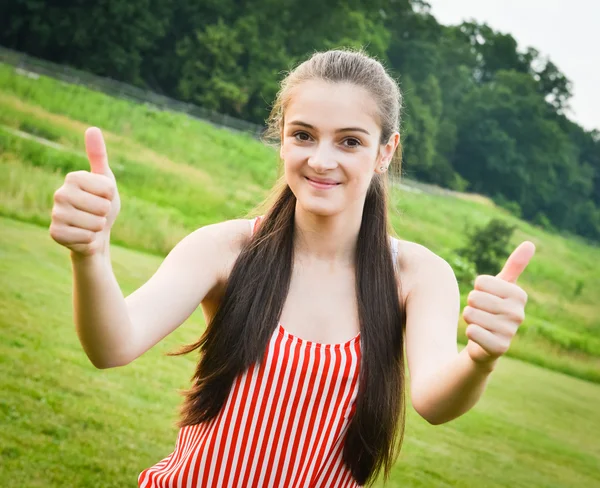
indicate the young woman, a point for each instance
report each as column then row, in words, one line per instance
column 301, row 380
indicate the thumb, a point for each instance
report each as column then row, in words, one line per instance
column 96, row 152
column 517, row 262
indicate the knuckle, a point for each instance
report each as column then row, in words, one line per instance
column 516, row 315
column 60, row 195
column 105, row 206
column 480, row 281
column 56, row 213
column 111, row 190
column 53, row 230
column 73, row 176
column 468, row 312
column 95, row 224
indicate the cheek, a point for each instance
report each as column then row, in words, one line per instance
column 296, row 154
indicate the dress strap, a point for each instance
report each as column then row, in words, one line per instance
column 394, row 247
column 254, row 224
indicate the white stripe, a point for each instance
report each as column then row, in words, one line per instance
column 242, row 424
column 330, row 411
column 347, row 391
column 183, row 450
column 197, row 448
column 309, row 412
column 234, row 419
column 320, row 407
column 193, row 436
column 295, row 383
column 300, row 402
column 223, row 415
column 333, row 460
column 177, row 457
column 261, row 392
column 273, row 386
column 161, row 473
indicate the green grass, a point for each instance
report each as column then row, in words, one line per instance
column 66, row 423
column 176, row 174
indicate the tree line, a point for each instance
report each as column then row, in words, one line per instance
column 480, row 113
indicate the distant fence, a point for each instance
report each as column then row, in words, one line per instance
column 124, row 90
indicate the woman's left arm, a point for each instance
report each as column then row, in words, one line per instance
column 444, row 383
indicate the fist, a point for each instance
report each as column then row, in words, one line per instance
column 87, row 204
column 496, row 308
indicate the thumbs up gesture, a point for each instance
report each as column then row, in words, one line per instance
column 496, row 308
column 87, row 204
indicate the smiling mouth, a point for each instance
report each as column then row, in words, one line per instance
column 320, row 184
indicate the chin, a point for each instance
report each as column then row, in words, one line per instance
column 320, row 207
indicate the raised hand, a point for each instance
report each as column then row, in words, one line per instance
column 496, row 308
column 87, row 204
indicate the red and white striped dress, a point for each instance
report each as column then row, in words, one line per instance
column 283, row 424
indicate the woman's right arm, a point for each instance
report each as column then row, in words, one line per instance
column 115, row 330
column 112, row 329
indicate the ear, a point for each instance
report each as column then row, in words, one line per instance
column 386, row 153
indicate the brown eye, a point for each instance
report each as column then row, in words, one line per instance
column 302, row 134
column 355, row 142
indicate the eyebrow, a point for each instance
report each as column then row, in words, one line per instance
column 345, row 129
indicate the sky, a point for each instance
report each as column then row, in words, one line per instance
column 567, row 31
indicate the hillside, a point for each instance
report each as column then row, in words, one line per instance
column 69, row 424
column 176, row 174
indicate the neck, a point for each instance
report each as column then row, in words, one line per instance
column 326, row 238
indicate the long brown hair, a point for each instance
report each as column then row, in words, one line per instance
column 238, row 334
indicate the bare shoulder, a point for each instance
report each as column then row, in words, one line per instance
column 227, row 238
column 232, row 234
column 419, row 264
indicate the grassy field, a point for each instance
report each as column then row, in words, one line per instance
column 72, row 425
column 69, row 424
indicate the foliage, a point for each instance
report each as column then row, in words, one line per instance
column 480, row 113
column 488, row 246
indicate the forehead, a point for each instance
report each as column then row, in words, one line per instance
column 329, row 106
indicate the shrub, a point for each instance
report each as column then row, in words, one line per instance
column 488, row 246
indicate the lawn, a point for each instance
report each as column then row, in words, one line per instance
column 68, row 424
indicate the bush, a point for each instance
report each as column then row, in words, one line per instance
column 488, row 247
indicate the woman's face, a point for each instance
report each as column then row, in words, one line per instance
column 330, row 146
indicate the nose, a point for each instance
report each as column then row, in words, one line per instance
column 322, row 159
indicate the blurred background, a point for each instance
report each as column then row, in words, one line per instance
column 501, row 144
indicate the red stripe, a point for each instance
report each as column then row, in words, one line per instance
column 325, row 424
column 230, row 468
column 305, row 456
column 250, row 417
column 228, row 422
column 274, row 425
column 310, row 357
column 261, row 413
column 297, row 362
